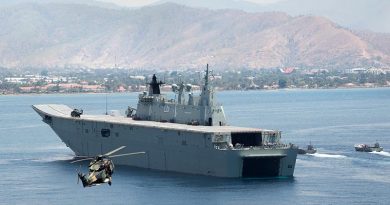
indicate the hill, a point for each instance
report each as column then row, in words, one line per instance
column 175, row 36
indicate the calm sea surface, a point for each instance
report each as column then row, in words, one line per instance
column 35, row 168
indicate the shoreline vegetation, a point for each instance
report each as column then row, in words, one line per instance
column 16, row 82
column 221, row 90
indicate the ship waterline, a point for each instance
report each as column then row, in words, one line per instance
column 195, row 140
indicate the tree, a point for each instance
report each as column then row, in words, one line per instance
column 282, row 83
column 44, row 73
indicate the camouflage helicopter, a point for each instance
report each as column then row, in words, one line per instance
column 101, row 168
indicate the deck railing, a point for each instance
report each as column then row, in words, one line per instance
column 225, row 146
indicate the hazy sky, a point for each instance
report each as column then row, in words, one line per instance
column 356, row 14
column 132, row 3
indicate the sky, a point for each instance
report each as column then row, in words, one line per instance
column 371, row 15
column 135, row 3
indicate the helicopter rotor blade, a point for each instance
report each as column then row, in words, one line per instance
column 81, row 156
column 80, row 160
column 127, row 154
column 113, row 151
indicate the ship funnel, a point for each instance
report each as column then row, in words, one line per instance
column 154, row 86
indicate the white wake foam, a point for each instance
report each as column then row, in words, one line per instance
column 387, row 154
column 53, row 159
column 42, row 159
column 22, row 127
column 4, row 161
column 327, row 155
column 53, row 147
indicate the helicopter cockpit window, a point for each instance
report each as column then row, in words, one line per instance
column 95, row 167
column 105, row 132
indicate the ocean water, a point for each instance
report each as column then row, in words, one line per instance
column 35, row 168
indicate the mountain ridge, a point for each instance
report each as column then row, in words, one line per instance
column 175, row 36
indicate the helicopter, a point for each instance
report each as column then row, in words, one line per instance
column 101, row 168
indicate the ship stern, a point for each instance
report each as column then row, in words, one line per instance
column 268, row 163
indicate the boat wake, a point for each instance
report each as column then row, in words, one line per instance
column 53, row 159
column 21, row 127
column 44, row 160
column 4, row 161
column 53, row 147
column 386, row 154
column 327, row 155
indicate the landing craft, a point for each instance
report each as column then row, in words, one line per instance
column 101, row 168
column 368, row 148
column 310, row 150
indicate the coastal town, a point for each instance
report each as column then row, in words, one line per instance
column 24, row 81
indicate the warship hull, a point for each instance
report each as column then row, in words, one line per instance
column 170, row 146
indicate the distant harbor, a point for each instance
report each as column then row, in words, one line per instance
column 121, row 80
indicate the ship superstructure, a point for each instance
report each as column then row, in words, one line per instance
column 200, row 110
column 187, row 134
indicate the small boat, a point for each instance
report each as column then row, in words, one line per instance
column 310, row 150
column 368, row 148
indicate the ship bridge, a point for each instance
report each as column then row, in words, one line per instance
column 184, row 109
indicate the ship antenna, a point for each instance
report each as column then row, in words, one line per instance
column 207, row 76
column 106, row 104
column 115, row 65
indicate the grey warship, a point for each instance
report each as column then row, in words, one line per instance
column 187, row 134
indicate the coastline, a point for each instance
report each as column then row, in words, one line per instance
column 218, row 89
